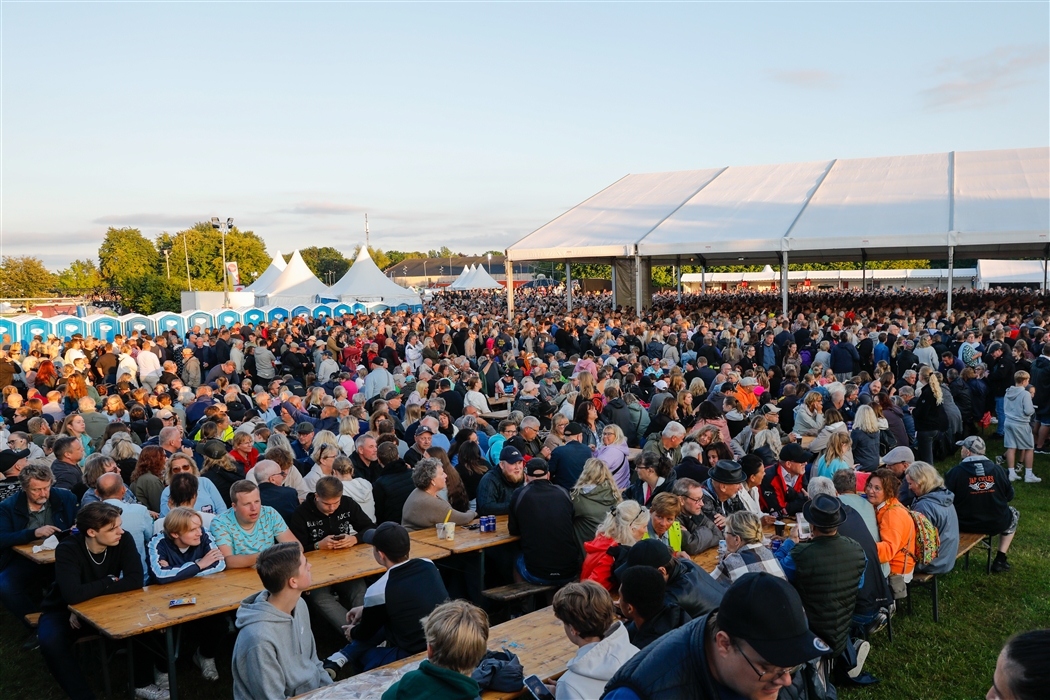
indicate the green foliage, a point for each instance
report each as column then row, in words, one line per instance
column 444, row 252
column 80, row 275
column 327, row 263
column 396, row 256
column 378, row 257
column 204, row 246
column 24, row 276
column 153, row 292
column 126, row 254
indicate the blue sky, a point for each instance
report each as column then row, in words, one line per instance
column 469, row 125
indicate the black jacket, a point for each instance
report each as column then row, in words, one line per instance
column 371, row 472
column 691, row 468
column 282, row 499
column 927, row 414
column 310, row 525
column 828, row 571
column 692, row 588
column 636, row 491
column 14, row 516
column 875, row 593
column 391, row 490
column 671, row 668
column 963, row 399
column 616, row 411
column 495, row 493
column 566, row 463
column 542, row 515
column 79, row 578
column 223, row 480
column 670, row 617
column 1001, row 374
column 397, row 605
column 982, row 495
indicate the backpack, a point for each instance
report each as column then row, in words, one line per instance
column 887, row 442
column 927, row 539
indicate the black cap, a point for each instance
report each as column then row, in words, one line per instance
column 727, row 471
column 391, row 395
column 777, row 629
column 652, row 553
column 304, row 428
column 794, row 452
column 537, row 466
column 389, row 538
column 213, row 449
column 8, row 458
column 824, row 511
column 510, row 455
column 574, row 428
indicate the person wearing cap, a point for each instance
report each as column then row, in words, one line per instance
column 422, row 440
column 327, row 368
column 720, row 491
column 783, row 488
column 742, row 650
column 11, row 464
column 567, row 461
column 378, row 378
column 541, row 513
column 394, row 606
column 301, row 447
column 497, row 487
column 898, row 460
column 745, row 394
column 827, row 570
column 982, row 497
column 688, row 586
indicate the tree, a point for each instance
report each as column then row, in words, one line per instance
column 80, row 275
column 126, row 254
column 396, row 256
column 203, row 244
column 24, row 276
column 327, row 263
column 153, row 292
column 378, row 257
column 445, row 252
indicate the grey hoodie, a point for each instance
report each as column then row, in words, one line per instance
column 275, row 655
column 1018, row 405
column 938, row 506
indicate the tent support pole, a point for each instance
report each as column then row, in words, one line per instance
column 951, row 272
column 678, row 276
column 509, row 266
column 703, row 279
column 638, row 284
column 568, row 286
column 784, row 284
column 615, row 300
column 1046, row 270
column 863, row 272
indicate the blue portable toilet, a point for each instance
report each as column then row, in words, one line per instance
column 379, row 308
column 103, row 327
column 199, row 318
column 321, row 311
column 9, row 327
column 339, row 309
column 276, row 313
column 358, row 307
column 226, row 317
column 301, row 311
column 68, row 326
column 252, row 315
column 168, row 321
column 34, row 327
column 136, row 322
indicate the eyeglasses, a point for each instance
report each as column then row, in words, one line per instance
column 699, row 500
column 766, row 676
column 642, row 511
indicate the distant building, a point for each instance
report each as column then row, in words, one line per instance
column 769, row 278
column 439, row 272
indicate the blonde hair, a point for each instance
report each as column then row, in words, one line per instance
column 595, row 472
column 745, row 525
column 925, row 477
column 620, row 438
column 935, row 386
column 838, row 443
column 180, row 520
column 812, row 398
column 325, row 437
column 621, row 520
column 343, row 465
column 179, row 456
column 348, row 425
column 458, row 635
column 866, row 420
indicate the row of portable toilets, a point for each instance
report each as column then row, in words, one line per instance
column 24, row 328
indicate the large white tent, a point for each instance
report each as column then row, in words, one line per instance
column 269, row 275
column 295, row 285
column 480, row 279
column 1031, row 273
column 365, row 283
column 463, row 275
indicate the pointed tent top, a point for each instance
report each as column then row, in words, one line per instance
column 278, row 261
column 263, row 282
column 363, row 253
column 365, row 282
column 296, row 284
column 767, row 270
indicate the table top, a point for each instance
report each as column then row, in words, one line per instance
column 467, row 540
column 501, row 401
column 708, row 559
column 45, row 557
column 538, row 639
column 495, row 415
column 127, row 614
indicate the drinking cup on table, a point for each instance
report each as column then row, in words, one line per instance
column 778, row 527
column 450, row 531
column 440, row 527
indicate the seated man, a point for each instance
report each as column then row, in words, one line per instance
column 783, row 488
column 12, row 462
column 329, row 520
column 497, row 487
column 642, row 590
column 272, row 491
column 740, row 651
column 688, row 586
column 275, row 655
column 665, row 526
column 248, row 527
column 457, row 635
column 692, row 518
column 720, row 491
column 982, row 498
column 394, row 605
column 394, row 485
column 567, row 461
column 36, row 512
column 586, row 611
column 134, row 518
column 542, row 514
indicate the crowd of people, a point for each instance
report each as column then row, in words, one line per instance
column 630, row 444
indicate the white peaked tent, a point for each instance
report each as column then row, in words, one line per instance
column 463, row 275
column 295, row 285
column 481, row 279
column 365, row 283
column 262, row 285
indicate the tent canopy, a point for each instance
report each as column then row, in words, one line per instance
column 364, row 282
column 479, row 278
column 295, row 285
column 1027, row 272
column 982, row 203
column 271, row 273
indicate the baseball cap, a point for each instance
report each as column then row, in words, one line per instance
column 652, row 553
column 904, row 454
column 794, row 452
column 574, row 428
column 9, row 458
column 389, row 538
column 974, row 443
column 537, row 467
column 510, row 455
column 777, row 629
column 768, row 408
column 213, row 449
column 423, row 428
column 391, row 395
column 660, row 384
column 304, row 428
column 748, row 381
column 164, row 414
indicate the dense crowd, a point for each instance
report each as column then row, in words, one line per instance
column 627, row 445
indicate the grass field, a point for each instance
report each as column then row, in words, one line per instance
column 952, row 659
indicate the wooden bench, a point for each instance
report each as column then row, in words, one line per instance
column 33, row 620
column 516, row 591
column 967, row 541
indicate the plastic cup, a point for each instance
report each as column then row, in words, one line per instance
column 440, row 527
column 778, row 527
column 450, row 531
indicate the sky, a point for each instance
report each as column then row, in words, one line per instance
column 468, row 124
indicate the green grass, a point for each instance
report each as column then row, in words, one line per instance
column 952, row 659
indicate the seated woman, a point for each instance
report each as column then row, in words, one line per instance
column 665, row 526
column 746, row 552
column 184, row 550
column 625, row 524
column 896, row 529
column 95, row 466
column 594, row 493
column 357, row 488
column 834, row 457
column 936, row 503
column 208, row 498
column 423, row 508
column 184, row 490
column 615, row 454
column 655, row 475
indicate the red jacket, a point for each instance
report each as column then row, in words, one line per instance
column 247, row 462
column 775, row 494
column 597, row 562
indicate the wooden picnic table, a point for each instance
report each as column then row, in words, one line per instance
column 125, row 615
column 501, row 401
column 495, row 415
column 467, row 540
column 538, row 639
column 708, row 559
column 45, row 557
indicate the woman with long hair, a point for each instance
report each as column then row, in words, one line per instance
column 930, row 418
column 46, row 377
column 667, row 412
column 615, row 454
column 834, row 456
column 147, row 481
column 587, row 416
column 556, row 437
column 74, row 426
column 471, row 465
column 865, row 437
column 76, row 389
column 593, row 494
column 455, row 489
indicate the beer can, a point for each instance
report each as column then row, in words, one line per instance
column 775, row 545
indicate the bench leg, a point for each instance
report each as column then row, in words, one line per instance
column 131, row 669
column 889, row 626
column 990, row 542
column 936, row 610
column 173, row 690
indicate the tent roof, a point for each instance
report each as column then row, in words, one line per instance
column 479, row 278
column 1010, row 271
column 984, row 203
column 365, row 282
column 271, row 273
column 295, row 284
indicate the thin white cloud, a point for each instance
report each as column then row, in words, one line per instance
column 809, row 79
column 324, row 209
column 976, row 82
column 153, row 220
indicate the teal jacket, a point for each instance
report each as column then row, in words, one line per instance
column 431, row 682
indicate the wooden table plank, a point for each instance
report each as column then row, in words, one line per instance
column 45, row 557
column 538, row 639
column 467, row 540
column 331, row 566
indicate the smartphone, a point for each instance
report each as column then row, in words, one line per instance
column 475, row 526
column 340, row 536
column 537, row 689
